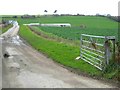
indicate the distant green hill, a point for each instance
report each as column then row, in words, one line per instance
column 93, row 25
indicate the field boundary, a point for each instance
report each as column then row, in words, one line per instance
column 96, row 50
column 53, row 37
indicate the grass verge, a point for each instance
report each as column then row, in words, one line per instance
column 4, row 29
column 64, row 54
column 53, row 37
column 60, row 52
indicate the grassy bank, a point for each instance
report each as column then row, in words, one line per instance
column 4, row 29
column 59, row 52
column 54, row 37
column 65, row 55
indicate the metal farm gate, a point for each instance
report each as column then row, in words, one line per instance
column 97, row 50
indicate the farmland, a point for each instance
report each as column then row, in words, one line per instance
column 75, row 32
column 60, row 52
column 64, row 53
column 93, row 25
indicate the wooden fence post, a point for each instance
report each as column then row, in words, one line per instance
column 113, row 56
column 107, row 51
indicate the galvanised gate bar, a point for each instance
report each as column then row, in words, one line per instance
column 97, row 50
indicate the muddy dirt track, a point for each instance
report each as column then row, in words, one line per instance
column 27, row 68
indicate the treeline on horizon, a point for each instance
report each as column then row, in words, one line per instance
column 115, row 18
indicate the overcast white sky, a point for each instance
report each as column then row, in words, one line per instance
column 18, row 7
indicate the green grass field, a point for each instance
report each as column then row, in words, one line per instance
column 59, row 52
column 89, row 21
column 94, row 25
column 75, row 32
column 64, row 53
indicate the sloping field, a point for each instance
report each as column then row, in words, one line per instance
column 86, row 24
column 80, row 24
column 89, row 21
column 75, row 32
